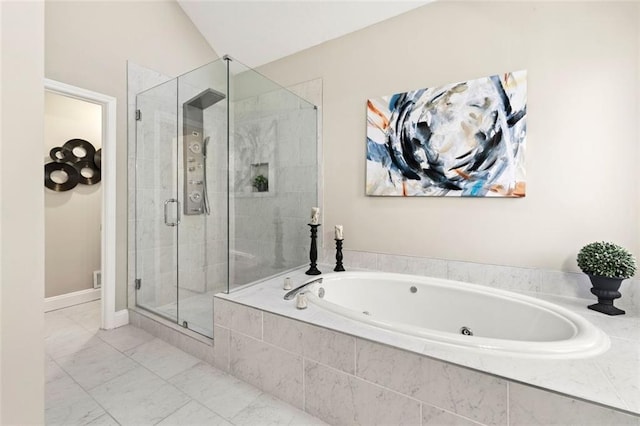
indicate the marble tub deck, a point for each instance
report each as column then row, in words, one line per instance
column 611, row 379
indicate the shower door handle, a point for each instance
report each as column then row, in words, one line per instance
column 166, row 214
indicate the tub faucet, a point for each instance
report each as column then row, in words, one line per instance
column 290, row 295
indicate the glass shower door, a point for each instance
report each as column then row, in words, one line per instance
column 156, row 200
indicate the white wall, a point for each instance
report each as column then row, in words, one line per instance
column 582, row 153
column 88, row 44
column 21, row 214
column 72, row 218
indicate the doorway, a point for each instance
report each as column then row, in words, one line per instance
column 80, row 199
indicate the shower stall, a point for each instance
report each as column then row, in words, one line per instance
column 226, row 173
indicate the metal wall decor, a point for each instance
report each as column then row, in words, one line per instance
column 69, row 170
column 73, row 162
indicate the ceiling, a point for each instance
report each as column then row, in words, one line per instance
column 258, row 32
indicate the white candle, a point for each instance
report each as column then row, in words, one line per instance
column 315, row 215
column 339, row 235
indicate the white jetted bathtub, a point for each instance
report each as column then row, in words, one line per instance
column 458, row 313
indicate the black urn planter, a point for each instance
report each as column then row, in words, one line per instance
column 606, row 290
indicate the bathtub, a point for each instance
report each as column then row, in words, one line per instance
column 457, row 313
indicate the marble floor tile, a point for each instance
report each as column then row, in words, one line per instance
column 218, row 391
column 194, row 413
column 66, row 403
column 267, row 410
column 56, row 321
column 83, row 412
column 63, row 391
column 89, row 320
column 96, row 365
column 124, row 373
column 125, row 338
column 162, row 358
column 104, row 420
column 52, row 370
column 139, row 397
column 68, row 341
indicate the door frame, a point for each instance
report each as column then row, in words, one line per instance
column 108, row 179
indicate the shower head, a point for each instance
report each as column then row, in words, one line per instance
column 205, row 99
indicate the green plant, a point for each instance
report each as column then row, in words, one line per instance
column 606, row 260
column 260, row 182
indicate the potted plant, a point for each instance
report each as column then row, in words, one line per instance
column 607, row 265
column 261, row 183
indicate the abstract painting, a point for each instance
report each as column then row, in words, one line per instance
column 461, row 139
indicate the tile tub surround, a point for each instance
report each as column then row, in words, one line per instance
column 337, row 367
column 536, row 282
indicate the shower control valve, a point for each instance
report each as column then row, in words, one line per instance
column 195, row 148
column 195, row 196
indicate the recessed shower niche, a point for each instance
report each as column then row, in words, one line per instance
column 202, row 140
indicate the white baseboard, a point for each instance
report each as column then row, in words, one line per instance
column 121, row 318
column 70, row 299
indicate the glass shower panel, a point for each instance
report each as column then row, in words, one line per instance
column 202, row 188
column 273, row 177
column 226, row 175
column 156, row 202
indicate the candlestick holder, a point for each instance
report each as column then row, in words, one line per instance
column 339, row 267
column 313, row 252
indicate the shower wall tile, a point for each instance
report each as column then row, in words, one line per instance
column 531, row 406
column 216, row 278
column 339, row 398
column 271, row 227
column 237, row 317
column 267, row 367
column 475, row 395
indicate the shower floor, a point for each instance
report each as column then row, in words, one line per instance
column 194, row 308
